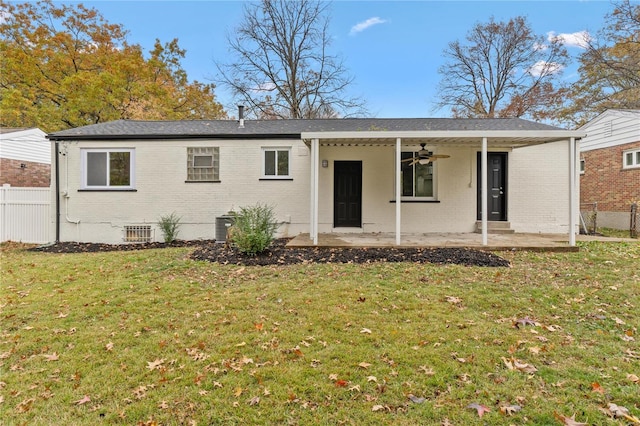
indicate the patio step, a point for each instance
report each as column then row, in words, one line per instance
column 495, row 227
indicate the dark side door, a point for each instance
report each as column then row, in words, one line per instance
column 347, row 194
column 496, row 186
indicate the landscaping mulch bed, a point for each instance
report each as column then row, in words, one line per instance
column 278, row 254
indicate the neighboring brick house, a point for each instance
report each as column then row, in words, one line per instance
column 610, row 166
column 25, row 158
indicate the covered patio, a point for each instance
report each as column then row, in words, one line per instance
column 482, row 140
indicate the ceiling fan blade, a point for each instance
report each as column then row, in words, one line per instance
column 415, row 161
column 440, row 156
column 407, row 159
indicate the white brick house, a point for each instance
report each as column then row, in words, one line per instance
column 321, row 176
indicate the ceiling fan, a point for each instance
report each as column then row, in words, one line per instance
column 424, row 156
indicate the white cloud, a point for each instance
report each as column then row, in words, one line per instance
column 543, row 67
column 361, row 26
column 264, row 87
column 578, row 39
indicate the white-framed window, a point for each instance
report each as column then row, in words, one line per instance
column 276, row 162
column 108, row 169
column 631, row 159
column 418, row 180
column 203, row 164
column 582, row 164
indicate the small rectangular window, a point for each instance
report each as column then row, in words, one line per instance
column 631, row 159
column 107, row 168
column 276, row 162
column 137, row 234
column 582, row 166
column 203, row 164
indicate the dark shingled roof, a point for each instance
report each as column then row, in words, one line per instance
column 254, row 129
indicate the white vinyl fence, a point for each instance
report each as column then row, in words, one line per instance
column 25, row 214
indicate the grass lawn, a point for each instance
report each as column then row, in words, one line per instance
column 151, row 337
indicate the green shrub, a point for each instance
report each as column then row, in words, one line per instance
column 169, row 225
column 253, row 229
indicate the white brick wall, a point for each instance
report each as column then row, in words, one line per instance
column 537, row 190
column 161, row 169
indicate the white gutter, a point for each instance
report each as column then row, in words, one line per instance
column 547, row 135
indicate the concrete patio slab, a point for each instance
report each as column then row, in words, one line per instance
column 497, row 242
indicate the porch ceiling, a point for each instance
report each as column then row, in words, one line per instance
column 495, row 139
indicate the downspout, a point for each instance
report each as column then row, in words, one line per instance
column 57, row 179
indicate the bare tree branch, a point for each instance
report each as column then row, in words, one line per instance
column 282, row 66
column 499, row 72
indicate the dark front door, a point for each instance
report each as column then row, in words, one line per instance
column 347, row 194
column 496, row 186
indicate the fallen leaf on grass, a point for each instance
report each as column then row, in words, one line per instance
column 617, row 411
column 509, row 410
column 514, row 364
column 25, row 405
column 453, row 300
column 51, row 357
column 153, row 365
column 365, row 331
column 254, row 401
column 416, row 399
column 524, row 322
column 426, row 370
column 84, row 400
column 341, row 383
column 377, row 408
column 633, row 378
column 568, row 421
column 109, row 346
column 595, row 387
column 481, row 409
column 364, row 365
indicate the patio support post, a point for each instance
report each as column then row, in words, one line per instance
column 572, row 195
column 398, row 190
column 483, row 193
column 313, row 219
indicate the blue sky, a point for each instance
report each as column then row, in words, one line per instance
column 392, row 48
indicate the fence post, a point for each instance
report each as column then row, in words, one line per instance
column 633, row 221
column 3, row 212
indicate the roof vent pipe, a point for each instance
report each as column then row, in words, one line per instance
column 241, row 116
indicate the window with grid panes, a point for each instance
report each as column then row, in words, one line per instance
column 203, row 164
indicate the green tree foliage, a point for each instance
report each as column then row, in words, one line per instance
column 609, row 67
column 65, row 66
column 502, row 69
column 282, row 66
